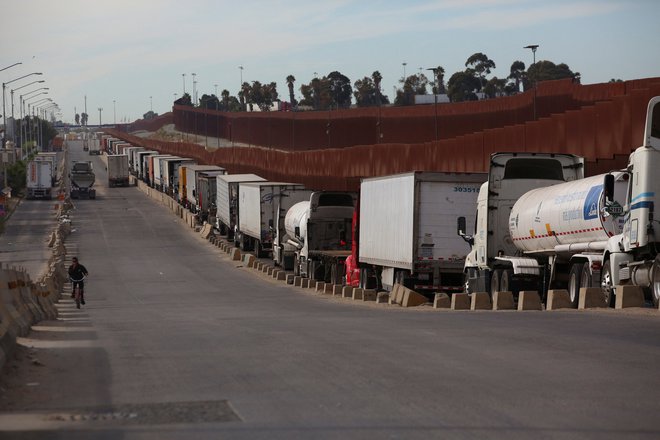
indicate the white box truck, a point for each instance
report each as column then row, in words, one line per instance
column 39, row 176
column 192, row 172
column 117, row 170
column 227, row 191
column 261, row 210
column 407, row 230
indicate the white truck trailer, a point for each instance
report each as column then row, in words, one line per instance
column 318, row 236
column 141, row 168
column 205, row 195
column 155, row 170
column 117, row 170
column 261, row 210
column 169, row 172
column 227, row 190
column 39, row 176
column 407, row 231
column 192, row 172
column 50, row 157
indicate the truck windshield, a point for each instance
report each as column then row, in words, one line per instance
column 543, row 169
column 335, row 200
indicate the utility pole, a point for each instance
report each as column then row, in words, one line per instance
column 100, row 110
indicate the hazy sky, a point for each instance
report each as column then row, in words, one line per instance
column 127, row 51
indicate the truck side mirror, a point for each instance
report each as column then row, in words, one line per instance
column 461, row 226
column 608, row 188
column 460, row 230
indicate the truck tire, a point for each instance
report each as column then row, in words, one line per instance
column 578, row 277
column 606, row 284
column 507, row 284
column 655, row 282
column 495, row 278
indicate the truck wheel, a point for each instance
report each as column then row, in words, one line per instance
column 495, row 281
column 578, row 277
column 606, row 284
column 655, row 282
column 507, row 284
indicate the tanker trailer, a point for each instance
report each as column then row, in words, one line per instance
column 319, row 231
column 558, row 234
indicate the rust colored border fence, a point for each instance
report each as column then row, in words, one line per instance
column 603, row 131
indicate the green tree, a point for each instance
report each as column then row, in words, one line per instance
column 210, row 102
column 83, row 119
column 495, row 87
column 307, row 92
column 184, row 100
column 481, row 65
column 77, row 119
column 439, row 80
column 290, row 80
column 517, row 75
column 340, row 89
column 413, row 85
column 547, row 70
column 462, row 86
column 150, row 115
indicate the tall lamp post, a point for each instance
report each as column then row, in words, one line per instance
column 114, row 111
column 533, row 48
column 100, row 111
column 435, row 97
column 21, row 102
column 11, row 93
column 4, row 85
column 3, row 89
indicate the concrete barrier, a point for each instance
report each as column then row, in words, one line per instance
column 529, row 300
column 297, row 281
column 319, row 286
column 329, row 288
column 394, row 294
column 460, row 301
column 383, row 298
column 269, row 270
column 289, row 278
column 410, row 298
column 441, row 301
column 281, row 276
column 347, row 292
column 304, row 283
column 480, row 301
column 357, row 294
column 369, row 295
column 503, row 301
column 235, row 254
column 591, row 298
column 558, row 299
column 336, row 289
column 275, row 273
column 248, row 259
column 629, row 296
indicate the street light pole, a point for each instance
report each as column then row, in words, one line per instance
column 114, row 111
column 184, row 83
column 533, row 48
column 100, row 110
column 435, row 97
column 4, row 84
column 194, row 91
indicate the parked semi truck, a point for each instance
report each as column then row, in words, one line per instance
column 583, row 233
column 318, row 236
column 407, row 230
column 82, row 180
column 117, row 170
column 39, row 179
column 495, row 260
column 631, row 257
column 169, row 170
column 205, row 194
column 262, row 207
column 191, row 174
column 227, row 191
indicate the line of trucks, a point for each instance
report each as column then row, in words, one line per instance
column 539, row 224
column 41, row 175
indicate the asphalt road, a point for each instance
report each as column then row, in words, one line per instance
column 177, row 341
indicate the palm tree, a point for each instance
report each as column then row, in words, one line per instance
column 225, row 99
column 289, row 82
column 377, row 78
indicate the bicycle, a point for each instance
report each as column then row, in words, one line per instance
column 77, row 294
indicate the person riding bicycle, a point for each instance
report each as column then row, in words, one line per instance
column 77, row 273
